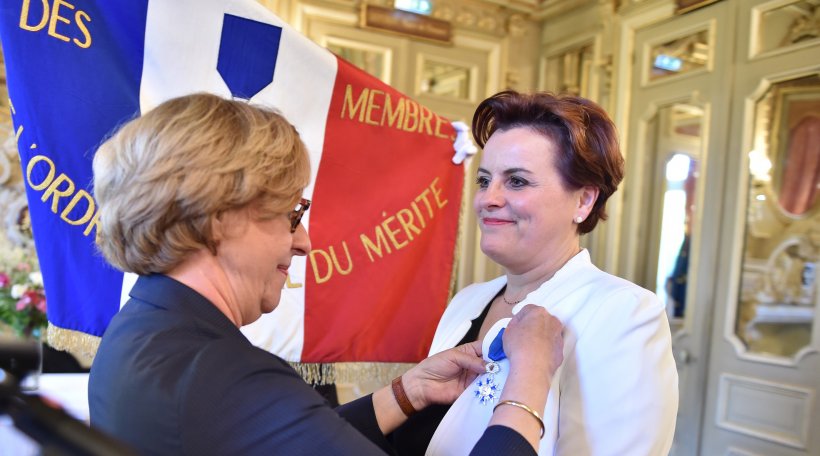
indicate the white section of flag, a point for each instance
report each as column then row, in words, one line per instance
column 181, row 51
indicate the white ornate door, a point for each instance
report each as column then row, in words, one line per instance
column 675, row 157
column 764, row 372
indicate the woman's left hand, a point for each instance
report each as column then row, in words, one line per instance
column 441, row 378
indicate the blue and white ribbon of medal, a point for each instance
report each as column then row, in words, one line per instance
column 488, row 390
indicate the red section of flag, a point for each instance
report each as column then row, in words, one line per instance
column 383, row 226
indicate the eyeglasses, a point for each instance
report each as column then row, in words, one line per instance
column 296, row 215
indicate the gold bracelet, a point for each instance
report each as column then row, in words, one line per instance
column 527, row 409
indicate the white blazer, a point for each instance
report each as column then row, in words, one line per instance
column 616, row 392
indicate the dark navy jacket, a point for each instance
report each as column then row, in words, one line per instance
column 173, row 376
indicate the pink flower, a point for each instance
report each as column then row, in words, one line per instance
column 4, row 280
column 32, row 299
column 25, row 267
column 41, row 304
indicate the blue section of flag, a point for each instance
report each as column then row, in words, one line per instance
column 71, row 84
column 245, row 70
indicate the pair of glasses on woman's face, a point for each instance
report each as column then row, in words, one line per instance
column 296, row 215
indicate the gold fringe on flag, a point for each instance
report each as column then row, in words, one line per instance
column 315, row 373
column 369, row 375
column 79, row 344
column 382, row 373
column 330, row 373
column 84, row 347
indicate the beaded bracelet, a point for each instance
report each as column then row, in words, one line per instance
column 527, row 409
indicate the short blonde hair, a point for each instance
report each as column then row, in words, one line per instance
column 163, row 177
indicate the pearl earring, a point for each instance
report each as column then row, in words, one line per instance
column 579, row 219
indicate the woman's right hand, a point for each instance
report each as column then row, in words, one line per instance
column 535, row 348
column 533, row 339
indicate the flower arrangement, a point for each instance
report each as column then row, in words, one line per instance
column 22, row 299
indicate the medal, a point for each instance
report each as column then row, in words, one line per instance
column 488, row 390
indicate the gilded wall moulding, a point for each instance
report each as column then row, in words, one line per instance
column 517, row 25
column 15, row 226
column 15, row 223
column 806, row 25
column 512, row 78
column 484, row 18
column 551, row 8
column 9, row 160
column 406, row 23
column 384, row 3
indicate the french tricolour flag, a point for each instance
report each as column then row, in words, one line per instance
column 385, row 192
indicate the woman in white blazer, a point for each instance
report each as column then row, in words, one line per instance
column 549, row 165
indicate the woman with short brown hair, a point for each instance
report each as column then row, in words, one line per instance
column 549, row 164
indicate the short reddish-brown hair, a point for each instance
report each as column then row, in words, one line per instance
column 587, row 140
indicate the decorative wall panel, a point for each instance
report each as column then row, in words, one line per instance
column 775, row 412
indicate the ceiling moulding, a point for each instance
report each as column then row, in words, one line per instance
column 482, row 17
column 524, row 6
column 551, row 8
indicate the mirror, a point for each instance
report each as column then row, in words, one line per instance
column 784, row 24
column 681, row 55
column 571, row 71
column 372, row 59
column 676, row 136
column 446, row 80
column 778, row 295
column 673, row 256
